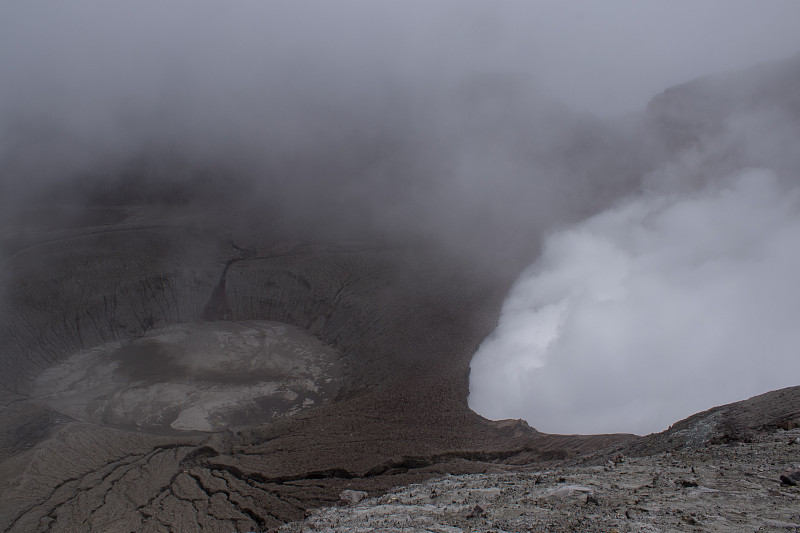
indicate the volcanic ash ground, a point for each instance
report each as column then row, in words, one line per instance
column 195, row 377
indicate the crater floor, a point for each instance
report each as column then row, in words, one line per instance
column 195, row 377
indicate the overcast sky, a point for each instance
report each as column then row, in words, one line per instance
column 612, row 56
column 608, row 57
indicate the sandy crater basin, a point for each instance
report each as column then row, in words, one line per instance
column 195, row 377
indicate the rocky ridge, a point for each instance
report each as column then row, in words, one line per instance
column 718, row 488
column 700, row 475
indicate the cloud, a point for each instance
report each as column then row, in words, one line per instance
column 651, row 311
column 456, row 123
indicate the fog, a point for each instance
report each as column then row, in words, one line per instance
column 508, row 133
column 253, row 88
column 650, row 312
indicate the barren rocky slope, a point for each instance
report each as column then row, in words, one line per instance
column 402, row 319
column 725, row 469
column 730, row 487
column 404, row 323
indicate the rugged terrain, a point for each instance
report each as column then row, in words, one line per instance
column 725, row 469
column 403, row 323
column 103, row 303
column 720, row 487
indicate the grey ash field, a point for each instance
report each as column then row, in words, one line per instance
column 177, row 366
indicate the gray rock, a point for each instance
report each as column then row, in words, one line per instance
column 352, row 497
column 791, row 477
column 568, row 491
column 476, row 512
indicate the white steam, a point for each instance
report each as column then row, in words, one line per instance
column 650, row 312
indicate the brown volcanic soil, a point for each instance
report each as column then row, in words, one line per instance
column 719, row 488
column 719, row 470
column 405, row 321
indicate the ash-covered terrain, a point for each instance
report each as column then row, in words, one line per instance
column 733, row 487
column 224, row 324
column 732, row 468
column 304, row 367
column 203, row 376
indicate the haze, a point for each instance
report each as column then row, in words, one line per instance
column 496, row 130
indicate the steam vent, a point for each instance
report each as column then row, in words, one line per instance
column 248, row 253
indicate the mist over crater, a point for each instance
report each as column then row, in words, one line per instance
column 194, row 377
column 651, row 311
column 249, row 252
